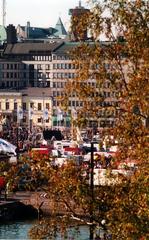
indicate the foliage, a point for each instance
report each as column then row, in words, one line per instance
column 121, row 63
column 28, row 174
column 112, row 82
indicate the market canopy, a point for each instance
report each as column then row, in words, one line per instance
column 7, row 147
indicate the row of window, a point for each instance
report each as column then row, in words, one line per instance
column 39, row 120
column 43, row 75
column 13, row 66
column 13, row 84
column 102, row 123
column 14, row 74
column 41, row 66
column 75, row 103
column 24, row 106
column 32, row 58
column 64, row 66
column 41, row 58
column 64, row 75
column 61, row 57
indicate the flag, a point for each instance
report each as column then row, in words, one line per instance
column 20, row 113
column 74, row 113
column 59, row 114
column 31, row 113
column 45, row 114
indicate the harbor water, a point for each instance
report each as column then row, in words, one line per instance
column 19, row 231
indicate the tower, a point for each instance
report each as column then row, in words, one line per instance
column 76, row 14
column 4, row 12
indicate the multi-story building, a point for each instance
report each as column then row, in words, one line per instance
column 47, row 65
column 27, row 65
column 29, row 107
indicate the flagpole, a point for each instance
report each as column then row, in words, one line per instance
column 19, row 118
column 43, row 110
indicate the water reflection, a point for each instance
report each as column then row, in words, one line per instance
column 19, row 231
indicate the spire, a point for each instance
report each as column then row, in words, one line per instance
column 60, row 28
column 80, row 4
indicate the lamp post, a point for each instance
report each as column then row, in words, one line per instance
column 92, row 192
column 17, row 138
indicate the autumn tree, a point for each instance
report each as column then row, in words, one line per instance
column 112, row 82
column 113, row 79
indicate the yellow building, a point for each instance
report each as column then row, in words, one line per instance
column 30, row 107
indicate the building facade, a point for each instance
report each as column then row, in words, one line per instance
column 29, row 107
column 49, row 65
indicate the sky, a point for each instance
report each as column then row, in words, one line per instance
column 41, row 13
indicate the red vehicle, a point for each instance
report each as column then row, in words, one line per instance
column 72, row 151
column 2, row 182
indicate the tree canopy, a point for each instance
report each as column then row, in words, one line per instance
column 112, row 81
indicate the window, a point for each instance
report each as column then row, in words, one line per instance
column 54, row 94
column 39, row 107
column 24, row 119
column 54, row 75
column 63, row 66
column 7, row 105
column 39, row 66
column 77, row 103
column 32, row 105
column 40, row 75
column 73, row 103
column 54, row 84
column 39, row 120
column 24, row 106
column 58, row 84
column 48, row 66
column 54, row 103
column 58, row 66
column 47, row 75
column 48, row 106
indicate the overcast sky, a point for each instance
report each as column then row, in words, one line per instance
column 42, row 13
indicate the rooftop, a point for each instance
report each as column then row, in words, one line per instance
column 28, row 48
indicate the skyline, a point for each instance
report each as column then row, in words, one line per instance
column 40, row 13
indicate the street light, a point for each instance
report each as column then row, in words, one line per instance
column 92, row 191
column 43, row 94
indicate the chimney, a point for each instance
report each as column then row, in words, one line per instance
column 27, row 28
column 11, row 34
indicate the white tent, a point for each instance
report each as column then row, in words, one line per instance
column 7, row 147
